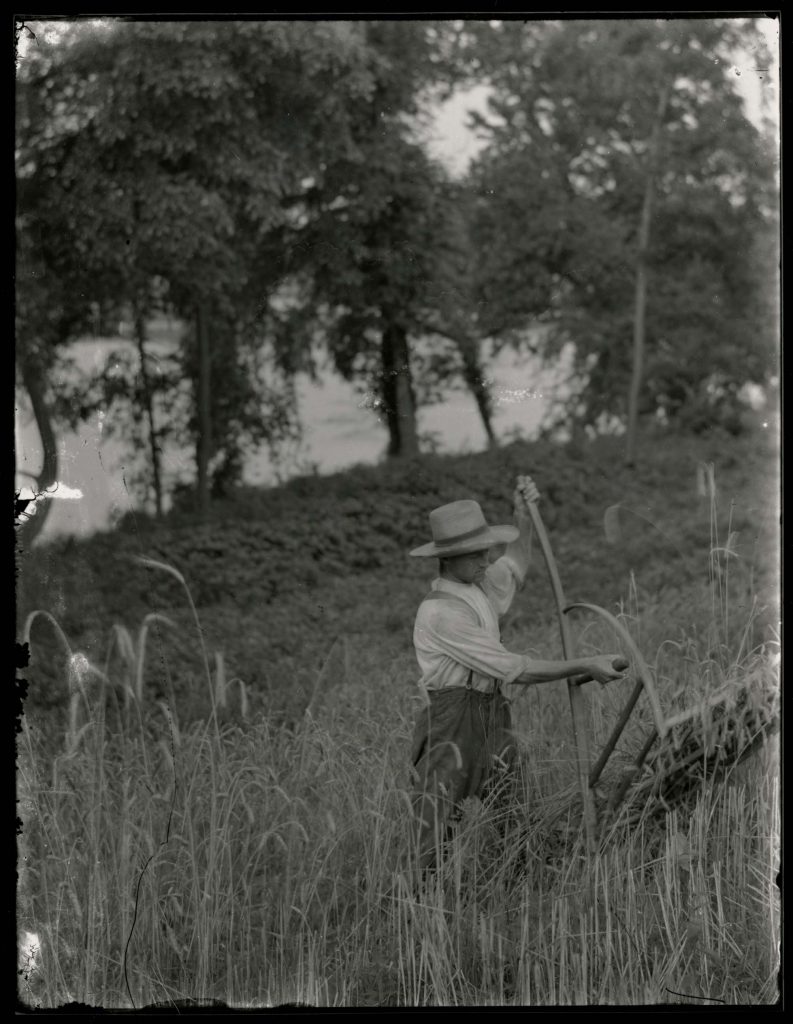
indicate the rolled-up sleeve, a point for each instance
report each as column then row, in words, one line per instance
column 447, row 636
column 501, row 582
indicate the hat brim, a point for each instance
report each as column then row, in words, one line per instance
column 493, row 535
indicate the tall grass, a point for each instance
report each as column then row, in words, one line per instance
column 269, row 883
column 255, row 864
column 275, row 873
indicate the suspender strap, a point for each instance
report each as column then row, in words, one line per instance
column 442, row 595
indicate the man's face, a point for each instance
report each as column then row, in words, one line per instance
column 468, row 568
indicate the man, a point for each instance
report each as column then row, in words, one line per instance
column 464, row 732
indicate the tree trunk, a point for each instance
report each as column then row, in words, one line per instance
column 637, row 372
column 640, row 299
column 472, row 371
column 33, row 379
column 148, row 403
column 204, row 410
column 397, row 392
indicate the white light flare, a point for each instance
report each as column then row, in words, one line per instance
column 29, row 954
column 58, row 490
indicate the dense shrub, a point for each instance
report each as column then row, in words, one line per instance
column 278, row 573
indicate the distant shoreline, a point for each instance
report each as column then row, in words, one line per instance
column 339, row 430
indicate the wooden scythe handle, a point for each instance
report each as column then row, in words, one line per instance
column 577, row 708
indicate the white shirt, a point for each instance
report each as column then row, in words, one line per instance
column 453, row 637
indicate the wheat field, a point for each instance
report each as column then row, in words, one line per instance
column 248, row 861
column 257, row 866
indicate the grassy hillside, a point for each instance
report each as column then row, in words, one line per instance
column 259, row 855
column 279, row 575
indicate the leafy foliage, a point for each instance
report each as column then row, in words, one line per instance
column 559, row 189
column 277, row 575
column 127, row 206
column 367, row 237
column 307, row 212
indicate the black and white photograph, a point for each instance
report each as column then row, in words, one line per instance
column 397, row 511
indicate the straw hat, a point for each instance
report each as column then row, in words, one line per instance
column 460, row 528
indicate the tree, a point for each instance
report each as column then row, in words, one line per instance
column 379, row 241
column 119, row 190
column 601, row 136
column 453, row 311
column 46, row 316
column 369, row 284
column 643, row 245
column 308, row 144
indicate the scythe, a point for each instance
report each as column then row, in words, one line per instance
column 588, row 774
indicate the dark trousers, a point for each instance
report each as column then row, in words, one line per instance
column 461, row 741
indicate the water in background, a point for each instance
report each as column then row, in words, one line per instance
column 340, row 429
